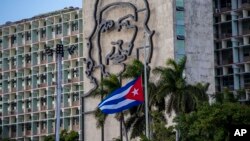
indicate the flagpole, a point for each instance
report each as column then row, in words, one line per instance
column 121, row 136
column 145, row 87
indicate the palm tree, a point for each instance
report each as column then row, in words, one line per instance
column 108, row 85
column 182, row 97
column 136, row 121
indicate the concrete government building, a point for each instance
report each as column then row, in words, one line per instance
column 28, row 75
column 214, row 35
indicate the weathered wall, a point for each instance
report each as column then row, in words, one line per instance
column 161, row 21
column 199, row 42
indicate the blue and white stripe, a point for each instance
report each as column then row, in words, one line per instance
column 116, row 101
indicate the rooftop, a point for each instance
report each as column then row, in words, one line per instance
column 66, row 9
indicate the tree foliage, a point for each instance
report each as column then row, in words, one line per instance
column 64, row 136
column 182, row 97
column 212, row 122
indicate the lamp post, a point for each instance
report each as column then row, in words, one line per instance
column 59, row 55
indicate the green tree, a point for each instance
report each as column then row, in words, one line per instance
column 107, row 86
column 212, row 122
column 225, row 96
column 64, row 136
column 72, row 136
column 135, row 123
column 49, row 138
column 183, row 98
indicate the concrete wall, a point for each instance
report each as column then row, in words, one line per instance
column 199, row 42
column 161, row 21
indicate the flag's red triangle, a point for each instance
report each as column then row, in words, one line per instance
column 136, row 91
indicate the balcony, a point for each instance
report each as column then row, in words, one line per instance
column 27, row 42
column 14, row 45
column 28, row 132
column 42, row 85
column 75, row 79
column 12, row 112
column 245, row 5
column 42, row 39
column 76, row 103
column 245, row 31
column 13, row 67
column 43, row 61
column 43, row 131
column 28, row 65
column 225, row 9
column 28, row 87
column 222, row 36
column 75, row 127
column 28, row 110
column 21, row 112
column 58, row 35
column 246, row 59
column 43, row 108
column 13, row 89
column 74, row 56
column 13, row 134
column 53, row 83
column 74, row 32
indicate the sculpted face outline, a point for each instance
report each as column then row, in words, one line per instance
column 119, row 50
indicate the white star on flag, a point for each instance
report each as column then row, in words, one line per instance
column 135, row 92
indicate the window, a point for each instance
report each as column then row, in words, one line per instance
column 180, row 44
column 76, row 16
column 75, row 97
column 13, row 39
column 28, row 36
column 43, row 33
column 179, row 3
column 180, row 30
column 43, row 56
column 13, row 83
column 75, row 72
column 75, row 121
column 43, row 126
column 74, row 26
column 28, row 58
column 43, row 78
column 180, row 17
column 28, row 104
column 58, row 29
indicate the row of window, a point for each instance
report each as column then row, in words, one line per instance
column 180, row 30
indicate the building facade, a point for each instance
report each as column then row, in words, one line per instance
column 28, row 75
column 213, row 35
column 168, row 29
column 231, row 39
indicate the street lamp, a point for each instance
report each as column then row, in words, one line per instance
column 59, row 55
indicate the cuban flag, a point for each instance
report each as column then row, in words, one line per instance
column 123, row 98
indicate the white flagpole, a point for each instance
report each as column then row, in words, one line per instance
column 146, row 88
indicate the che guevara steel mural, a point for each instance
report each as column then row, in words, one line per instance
column 118, row 48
